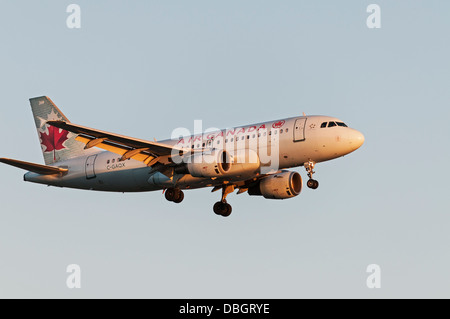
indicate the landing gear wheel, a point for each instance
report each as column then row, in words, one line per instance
column 222, row 209
column 174, row 195
column 217, row 208
column 180, row 197
column 227, row 211
column 170, row 194
column 316, row 184
column 312, row 183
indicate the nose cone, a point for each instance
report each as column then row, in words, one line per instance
column 356, row 139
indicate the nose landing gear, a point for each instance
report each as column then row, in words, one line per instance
column 312, row 183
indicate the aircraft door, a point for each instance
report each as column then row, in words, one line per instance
column 299, row 130
column 90, row 163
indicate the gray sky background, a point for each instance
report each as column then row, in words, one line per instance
column 142, row 68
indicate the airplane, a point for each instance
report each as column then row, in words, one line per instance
column 252, row 158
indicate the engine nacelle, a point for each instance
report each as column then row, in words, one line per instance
column 285, row 184
column 221, row 163
column 212, row 164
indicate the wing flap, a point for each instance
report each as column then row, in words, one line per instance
column 35, row 168
column 116, row 149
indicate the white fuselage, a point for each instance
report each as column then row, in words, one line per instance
column 294, row 141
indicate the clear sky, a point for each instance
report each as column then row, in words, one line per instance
column 143, row 68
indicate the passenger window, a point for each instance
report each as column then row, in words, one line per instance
column 287, row 130
column 270, row 132
column 248, row 137
column 324, row 124
column 226, row 141
column 253, row 136
column 108, row 161
column 331, row 124
column 113, row 160
column 281, row 131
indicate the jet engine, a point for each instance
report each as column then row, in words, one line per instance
column 285, row 184
column 222, row 163
column 210, row 164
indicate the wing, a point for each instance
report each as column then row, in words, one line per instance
column 128, row 147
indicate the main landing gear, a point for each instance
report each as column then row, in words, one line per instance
column 175, row 195
column 312, row 183
column 222, row 208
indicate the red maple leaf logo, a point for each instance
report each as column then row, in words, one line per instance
column 278, row 124
column 54, row 140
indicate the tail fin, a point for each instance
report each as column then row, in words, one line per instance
column 57, row 144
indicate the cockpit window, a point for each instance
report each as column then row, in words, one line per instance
column 341, row 124
column 331, row 124
column 324, row 124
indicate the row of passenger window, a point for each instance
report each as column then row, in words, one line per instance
column 331, row 124
column 243, row 137
column 226, row 141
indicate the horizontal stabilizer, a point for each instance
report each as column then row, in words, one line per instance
column 35, row 168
